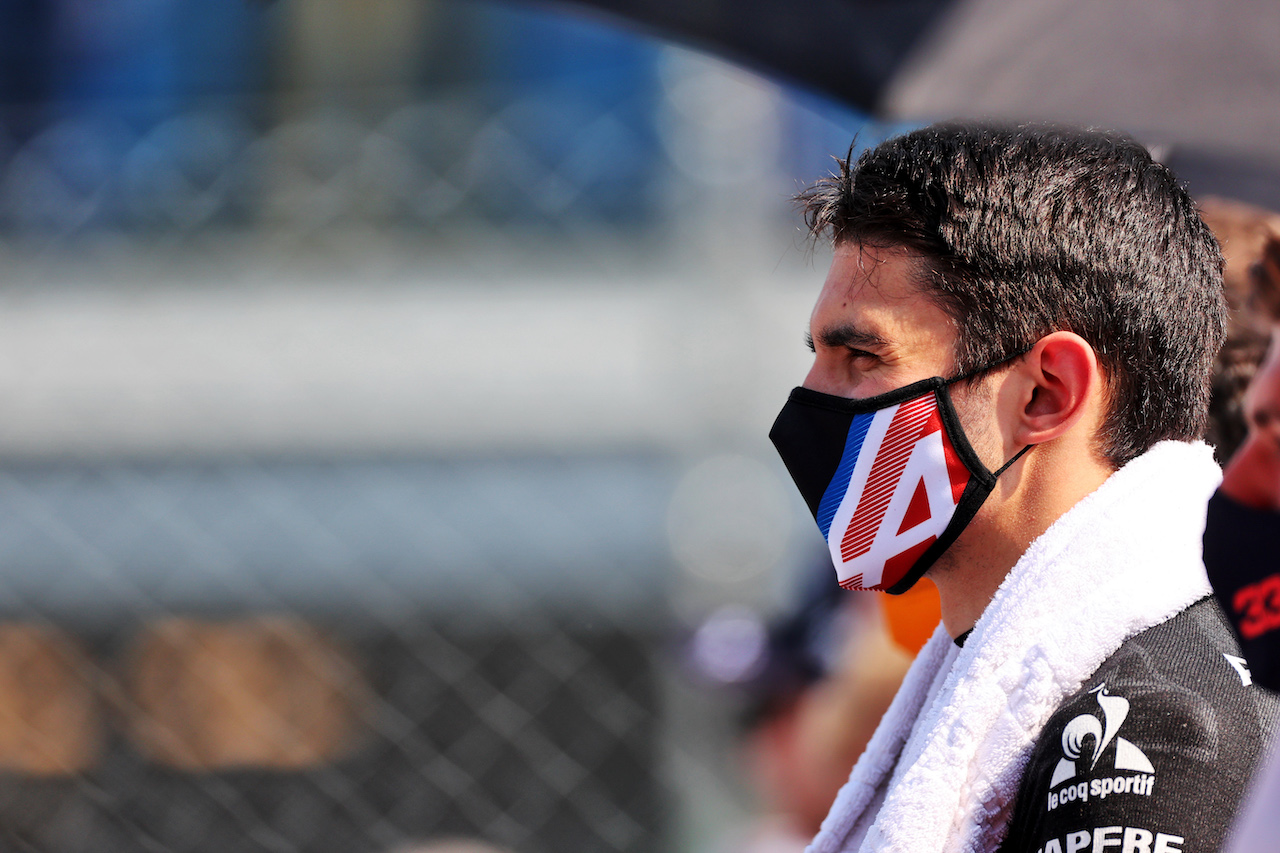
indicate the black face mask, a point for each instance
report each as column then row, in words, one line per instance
column 892, row 480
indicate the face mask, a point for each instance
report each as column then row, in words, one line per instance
column 892, row 479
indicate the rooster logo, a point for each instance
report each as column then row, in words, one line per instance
column 1074, row 737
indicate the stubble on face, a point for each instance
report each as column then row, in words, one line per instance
column 974, row 401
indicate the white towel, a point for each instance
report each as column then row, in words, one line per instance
column 942, row 770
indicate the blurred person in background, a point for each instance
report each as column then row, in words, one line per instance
column 1243, row 230
column 1242, row 539
column 1013, row 352
column 1252, row 477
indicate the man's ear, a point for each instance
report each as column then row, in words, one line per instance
column 1061, row 381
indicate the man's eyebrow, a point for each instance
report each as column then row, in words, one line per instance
column 846, row 336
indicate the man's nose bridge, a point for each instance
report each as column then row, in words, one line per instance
column 818, row 378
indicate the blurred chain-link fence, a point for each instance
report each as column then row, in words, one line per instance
column 331, row 656
column 449, row 161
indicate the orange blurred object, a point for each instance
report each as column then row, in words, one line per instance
column 912, row 616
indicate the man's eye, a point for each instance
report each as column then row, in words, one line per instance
column 860, row 354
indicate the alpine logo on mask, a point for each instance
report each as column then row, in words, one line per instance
column 910, row 479
column 892, row 479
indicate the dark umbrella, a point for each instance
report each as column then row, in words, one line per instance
column 1170, row 71
column 1198, row 81
column 848, row 49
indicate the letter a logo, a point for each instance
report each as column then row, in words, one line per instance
column 912, row 481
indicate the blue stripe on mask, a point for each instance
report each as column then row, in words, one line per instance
column 839, row 484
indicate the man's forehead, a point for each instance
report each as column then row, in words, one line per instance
column 870, row 276
column 875, row 297
column 856, row 264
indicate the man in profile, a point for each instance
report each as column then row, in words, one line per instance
column 1012, row 354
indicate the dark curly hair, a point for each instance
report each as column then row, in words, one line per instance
column 1025, row 230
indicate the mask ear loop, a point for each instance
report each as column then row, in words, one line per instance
column 1016, row 457
column 992, row 366
column 970, row 374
